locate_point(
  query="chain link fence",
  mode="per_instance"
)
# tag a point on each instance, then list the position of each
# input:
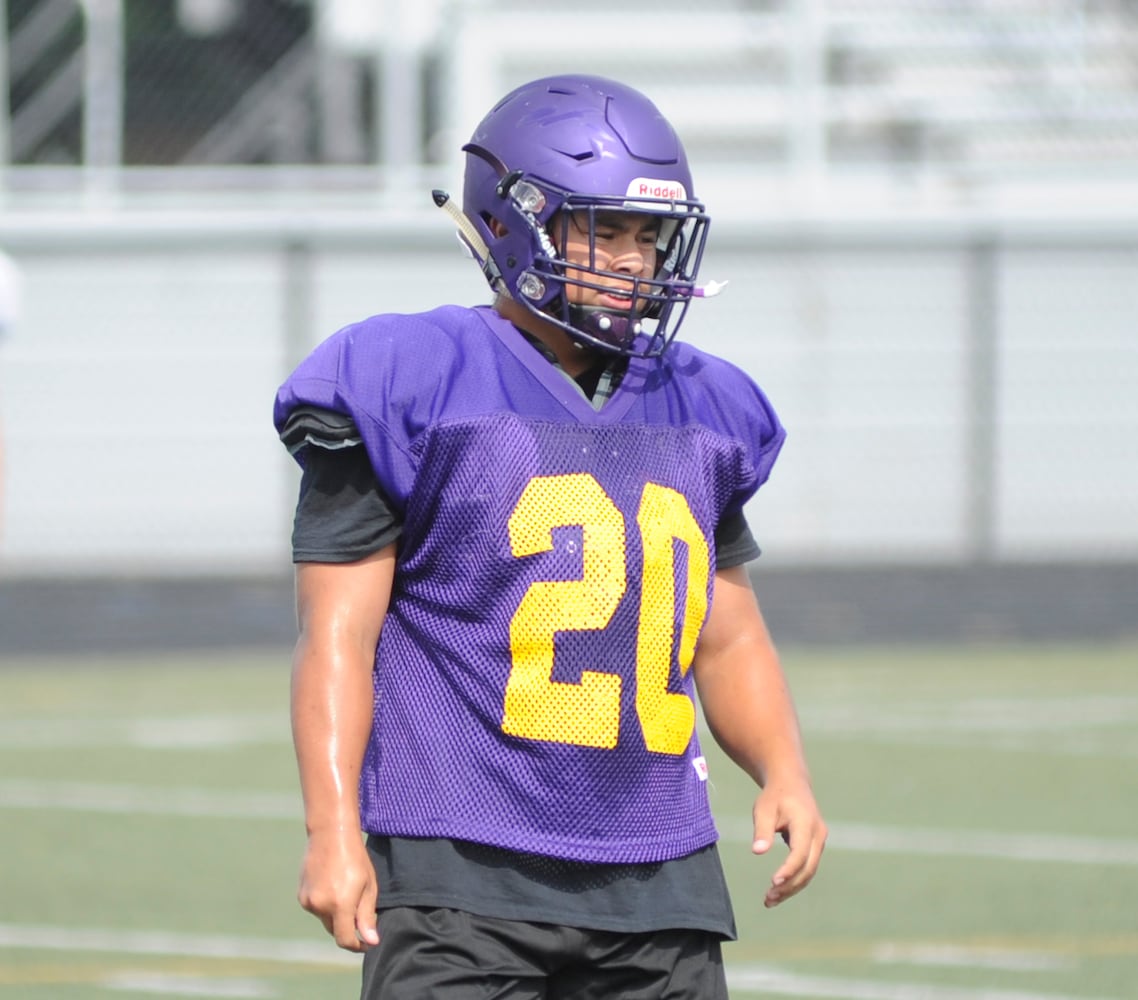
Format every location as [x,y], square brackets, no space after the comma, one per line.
[962,90]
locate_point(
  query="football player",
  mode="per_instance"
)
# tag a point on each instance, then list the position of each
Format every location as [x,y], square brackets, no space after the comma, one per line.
[520,557]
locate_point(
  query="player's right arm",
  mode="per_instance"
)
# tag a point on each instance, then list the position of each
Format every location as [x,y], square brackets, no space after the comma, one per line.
[340,609]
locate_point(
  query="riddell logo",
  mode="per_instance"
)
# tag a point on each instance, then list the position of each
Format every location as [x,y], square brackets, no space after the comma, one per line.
[647,187]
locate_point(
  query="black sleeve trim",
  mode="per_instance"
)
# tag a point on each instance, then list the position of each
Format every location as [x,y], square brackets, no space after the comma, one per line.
[323,428]
[734,543]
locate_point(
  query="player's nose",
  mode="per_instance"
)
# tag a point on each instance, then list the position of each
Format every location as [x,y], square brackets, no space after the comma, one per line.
[628,256]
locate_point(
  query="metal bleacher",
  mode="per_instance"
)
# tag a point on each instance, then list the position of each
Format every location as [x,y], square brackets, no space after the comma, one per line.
[990,91]
[968,93]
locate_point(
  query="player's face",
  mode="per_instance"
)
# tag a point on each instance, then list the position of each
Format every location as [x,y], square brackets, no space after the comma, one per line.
[623,243]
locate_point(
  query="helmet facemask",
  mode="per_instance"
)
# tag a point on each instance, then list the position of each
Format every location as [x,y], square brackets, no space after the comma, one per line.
[553,285]
[582,147]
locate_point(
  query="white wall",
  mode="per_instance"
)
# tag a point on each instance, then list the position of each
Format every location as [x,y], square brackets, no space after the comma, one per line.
[136,389]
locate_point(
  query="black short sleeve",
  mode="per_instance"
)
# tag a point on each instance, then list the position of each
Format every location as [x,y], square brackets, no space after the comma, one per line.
[734,543]
[341,514]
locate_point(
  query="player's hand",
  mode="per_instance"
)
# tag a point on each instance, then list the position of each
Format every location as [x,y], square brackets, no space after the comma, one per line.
[338,886]
[789,810]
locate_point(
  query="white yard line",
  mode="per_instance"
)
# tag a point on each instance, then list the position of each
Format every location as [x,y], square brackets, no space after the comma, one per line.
[989,844]
[766,980]
[971,957]
[159,984]
[1088,724]
[186,732]
[1050,716]
[983,844]
[1087,727]
[749,978]
[71,796]
[66,796]
[746,978]
[216,946]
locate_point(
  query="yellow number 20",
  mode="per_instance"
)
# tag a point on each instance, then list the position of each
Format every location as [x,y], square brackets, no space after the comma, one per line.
[587,713]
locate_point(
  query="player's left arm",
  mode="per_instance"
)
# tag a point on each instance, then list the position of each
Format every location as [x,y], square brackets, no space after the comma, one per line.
[748,706]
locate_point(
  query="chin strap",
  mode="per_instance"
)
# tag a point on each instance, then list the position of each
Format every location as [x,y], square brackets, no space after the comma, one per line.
[618,330]
[614,330]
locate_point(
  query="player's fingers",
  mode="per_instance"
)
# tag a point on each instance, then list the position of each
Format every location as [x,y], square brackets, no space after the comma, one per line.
[344,930]
[795,861]
[366,929]
[308,903]
[765,817]
[797,872]
[790,887]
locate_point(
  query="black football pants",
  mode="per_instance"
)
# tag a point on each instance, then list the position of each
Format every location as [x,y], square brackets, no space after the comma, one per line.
[440,954]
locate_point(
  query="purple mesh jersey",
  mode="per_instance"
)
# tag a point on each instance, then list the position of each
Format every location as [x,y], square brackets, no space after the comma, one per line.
[532,678]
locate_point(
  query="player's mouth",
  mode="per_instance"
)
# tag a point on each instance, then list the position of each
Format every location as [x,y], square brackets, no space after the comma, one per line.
[615,299]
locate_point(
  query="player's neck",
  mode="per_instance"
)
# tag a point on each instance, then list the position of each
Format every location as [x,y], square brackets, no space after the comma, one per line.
[570,355]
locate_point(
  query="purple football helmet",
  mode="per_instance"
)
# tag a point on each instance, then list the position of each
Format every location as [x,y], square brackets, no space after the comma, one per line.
[573,146]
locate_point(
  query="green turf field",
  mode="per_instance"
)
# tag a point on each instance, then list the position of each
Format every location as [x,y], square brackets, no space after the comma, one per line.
[984,806]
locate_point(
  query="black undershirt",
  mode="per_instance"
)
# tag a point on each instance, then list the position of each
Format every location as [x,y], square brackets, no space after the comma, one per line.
[342,514]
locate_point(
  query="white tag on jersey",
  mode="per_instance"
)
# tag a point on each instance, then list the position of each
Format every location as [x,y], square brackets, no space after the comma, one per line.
[700,765]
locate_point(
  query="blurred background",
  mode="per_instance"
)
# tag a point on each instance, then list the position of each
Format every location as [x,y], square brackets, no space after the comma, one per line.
[927,212]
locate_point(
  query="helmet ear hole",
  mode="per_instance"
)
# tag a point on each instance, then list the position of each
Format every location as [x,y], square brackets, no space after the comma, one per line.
[496,226]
